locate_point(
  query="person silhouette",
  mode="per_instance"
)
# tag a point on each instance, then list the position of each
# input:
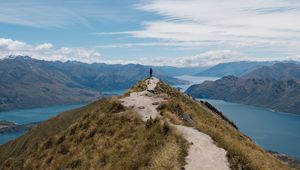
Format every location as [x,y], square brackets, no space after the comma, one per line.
[151,72]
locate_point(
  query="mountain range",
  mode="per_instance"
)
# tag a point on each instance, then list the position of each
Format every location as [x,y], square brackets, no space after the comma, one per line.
[179,71]
[26,82]
[106,134]
[276,87]
[232,68]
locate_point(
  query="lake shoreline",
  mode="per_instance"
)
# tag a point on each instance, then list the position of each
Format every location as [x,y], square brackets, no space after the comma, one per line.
[11,127]
[248,105]
[276,131]
[269,126]
[273,130]
[24,119]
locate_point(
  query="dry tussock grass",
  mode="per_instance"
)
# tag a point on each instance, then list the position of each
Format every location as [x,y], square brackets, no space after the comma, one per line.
[243,153]
[106,136]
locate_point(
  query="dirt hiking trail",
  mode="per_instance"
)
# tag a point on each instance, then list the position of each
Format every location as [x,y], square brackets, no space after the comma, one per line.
[203,154]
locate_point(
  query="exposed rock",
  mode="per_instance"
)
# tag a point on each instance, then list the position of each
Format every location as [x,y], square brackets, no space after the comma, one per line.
[203,153]
[186,117]
[293,162]
[215,157]
[155,103]
[141,107]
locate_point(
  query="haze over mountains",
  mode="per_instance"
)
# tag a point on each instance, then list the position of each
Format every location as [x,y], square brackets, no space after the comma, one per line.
[276,87]
[27,82]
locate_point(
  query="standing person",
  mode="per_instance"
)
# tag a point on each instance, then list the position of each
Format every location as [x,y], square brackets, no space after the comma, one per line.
[151,72]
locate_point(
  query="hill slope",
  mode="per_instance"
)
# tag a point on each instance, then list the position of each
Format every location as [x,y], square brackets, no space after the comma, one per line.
[276,87]
[110,134]
[26,82]
[279,71]
[233,68]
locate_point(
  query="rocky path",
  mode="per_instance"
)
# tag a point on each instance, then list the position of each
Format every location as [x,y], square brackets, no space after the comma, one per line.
[203,154]
[145,102]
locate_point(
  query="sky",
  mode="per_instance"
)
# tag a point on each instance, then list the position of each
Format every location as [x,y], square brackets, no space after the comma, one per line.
[183,33]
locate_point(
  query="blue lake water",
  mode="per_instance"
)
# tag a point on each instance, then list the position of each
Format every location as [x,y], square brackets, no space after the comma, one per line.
[193,80]
[274,131]
[24,116]
[115,92]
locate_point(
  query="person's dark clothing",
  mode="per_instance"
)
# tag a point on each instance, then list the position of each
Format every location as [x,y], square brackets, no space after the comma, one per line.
[151,72]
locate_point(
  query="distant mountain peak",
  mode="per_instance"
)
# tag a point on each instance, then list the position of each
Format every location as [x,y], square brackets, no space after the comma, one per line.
[276,87]
[230,77]
[13,57]
[233,68]
[42,83]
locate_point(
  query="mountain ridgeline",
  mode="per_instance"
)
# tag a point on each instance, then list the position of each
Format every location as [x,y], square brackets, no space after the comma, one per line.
[233,68]
[276,87]
[109,135]
[27,82]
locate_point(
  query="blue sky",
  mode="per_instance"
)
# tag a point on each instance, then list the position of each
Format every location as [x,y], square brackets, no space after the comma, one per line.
[158,32]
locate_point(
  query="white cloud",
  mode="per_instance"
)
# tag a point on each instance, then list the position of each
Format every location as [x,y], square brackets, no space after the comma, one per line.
[55,13]
[204,59]
[156,44]
[46,51]
[209,58]
[192,20]
[231,23]
[45,46]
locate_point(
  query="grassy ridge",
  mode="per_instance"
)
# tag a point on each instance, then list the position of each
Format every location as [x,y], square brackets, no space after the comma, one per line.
[243,153]
[105,136]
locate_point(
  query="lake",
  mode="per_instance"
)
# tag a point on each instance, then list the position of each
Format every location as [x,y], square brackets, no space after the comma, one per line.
[272,130]
[24,116]
[193,80]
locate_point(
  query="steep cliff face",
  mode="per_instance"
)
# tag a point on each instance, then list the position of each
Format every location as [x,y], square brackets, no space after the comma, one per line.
[152,126]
